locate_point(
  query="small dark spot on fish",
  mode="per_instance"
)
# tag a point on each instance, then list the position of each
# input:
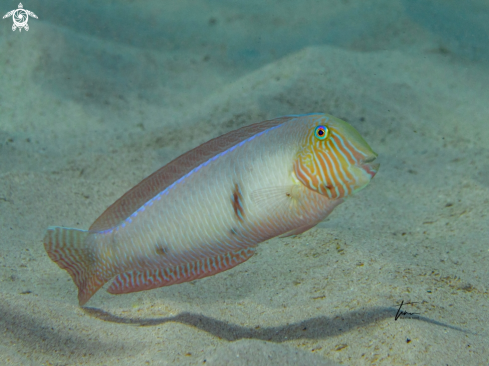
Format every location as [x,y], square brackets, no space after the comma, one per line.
[237,202]
[161,250]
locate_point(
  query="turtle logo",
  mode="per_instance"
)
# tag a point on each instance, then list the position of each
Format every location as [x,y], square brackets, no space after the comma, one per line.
[20,17]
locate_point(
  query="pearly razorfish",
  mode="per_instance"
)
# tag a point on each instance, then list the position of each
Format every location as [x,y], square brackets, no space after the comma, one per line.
[205,212]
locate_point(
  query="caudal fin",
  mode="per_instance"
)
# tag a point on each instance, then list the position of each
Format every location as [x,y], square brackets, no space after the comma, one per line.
[70,250]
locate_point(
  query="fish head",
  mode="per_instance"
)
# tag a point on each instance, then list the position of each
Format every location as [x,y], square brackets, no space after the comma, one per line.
[333,159]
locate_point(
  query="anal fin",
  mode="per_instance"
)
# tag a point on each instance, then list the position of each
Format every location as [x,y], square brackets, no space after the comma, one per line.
[146,280]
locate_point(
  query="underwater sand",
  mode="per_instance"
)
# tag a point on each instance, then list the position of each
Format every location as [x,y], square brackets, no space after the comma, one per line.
[95,98]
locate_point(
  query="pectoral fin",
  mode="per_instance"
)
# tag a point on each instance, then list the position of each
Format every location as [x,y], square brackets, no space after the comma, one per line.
[277,199]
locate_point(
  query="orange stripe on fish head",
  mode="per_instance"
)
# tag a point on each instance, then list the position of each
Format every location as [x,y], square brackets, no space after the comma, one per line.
[333,159]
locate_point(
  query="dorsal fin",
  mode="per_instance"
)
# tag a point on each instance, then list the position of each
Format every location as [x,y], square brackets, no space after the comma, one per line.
[165,176]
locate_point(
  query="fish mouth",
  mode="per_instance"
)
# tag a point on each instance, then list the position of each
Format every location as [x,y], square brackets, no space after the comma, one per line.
[369,159]
[370,167]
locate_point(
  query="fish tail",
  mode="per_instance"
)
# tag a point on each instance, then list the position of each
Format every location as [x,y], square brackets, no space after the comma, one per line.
[72,250]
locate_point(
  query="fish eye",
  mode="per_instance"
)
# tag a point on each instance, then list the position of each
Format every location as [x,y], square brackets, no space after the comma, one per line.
[321,132]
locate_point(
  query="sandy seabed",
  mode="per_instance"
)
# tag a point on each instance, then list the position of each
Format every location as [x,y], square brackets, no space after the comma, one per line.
[91,103]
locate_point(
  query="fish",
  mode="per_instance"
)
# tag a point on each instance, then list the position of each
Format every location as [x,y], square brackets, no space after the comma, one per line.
[206,211]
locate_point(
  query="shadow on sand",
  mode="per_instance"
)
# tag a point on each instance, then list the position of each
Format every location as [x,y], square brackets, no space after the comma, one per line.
[313,328]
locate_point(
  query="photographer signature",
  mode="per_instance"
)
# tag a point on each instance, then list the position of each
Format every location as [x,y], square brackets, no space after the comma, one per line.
[403,313]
